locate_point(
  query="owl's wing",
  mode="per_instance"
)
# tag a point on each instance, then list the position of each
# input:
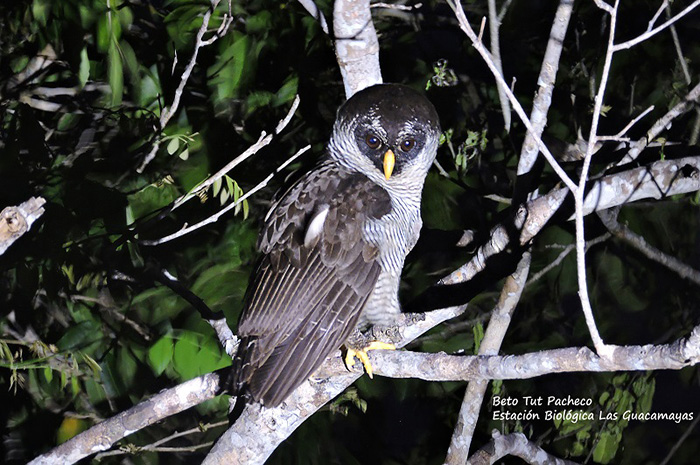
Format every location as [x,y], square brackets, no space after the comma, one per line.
[315,276]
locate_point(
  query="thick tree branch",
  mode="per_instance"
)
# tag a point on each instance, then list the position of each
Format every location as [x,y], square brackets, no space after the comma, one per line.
[15,221]
[259,431]
[515,444]
[658,180]
[442,367]
[545,82]
[103,435]
[356,45]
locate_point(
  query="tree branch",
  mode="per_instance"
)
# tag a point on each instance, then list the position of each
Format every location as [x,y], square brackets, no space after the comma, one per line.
[168,112]
[15,221]
[494,27]
[476,42]
[580,192]
[458,452]
[545,82]
[650,33]
[515,444]
[103,435]
[356,45]
[609,218]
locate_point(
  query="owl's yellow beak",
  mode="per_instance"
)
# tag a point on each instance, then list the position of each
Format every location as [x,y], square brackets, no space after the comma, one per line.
[389,161]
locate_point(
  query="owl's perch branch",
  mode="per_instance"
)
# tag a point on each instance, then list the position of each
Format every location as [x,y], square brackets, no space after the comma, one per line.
[443,367]
[259,430]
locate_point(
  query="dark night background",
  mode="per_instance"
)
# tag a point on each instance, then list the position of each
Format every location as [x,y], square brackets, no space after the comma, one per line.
[82,284]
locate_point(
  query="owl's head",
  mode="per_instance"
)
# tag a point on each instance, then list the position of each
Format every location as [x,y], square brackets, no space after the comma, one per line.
[389,132]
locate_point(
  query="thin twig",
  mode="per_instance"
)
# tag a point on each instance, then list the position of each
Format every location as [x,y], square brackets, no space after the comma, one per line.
[601,348]
[622,232]
[316,13]
[215,217]
[494,36]
[486,55]
[504,10]
[262,141]
[682,439]
[168,112]
[652,21]
[395,6]
[679,51]
[624,130]
[661,124]
[562,255]
[642,37]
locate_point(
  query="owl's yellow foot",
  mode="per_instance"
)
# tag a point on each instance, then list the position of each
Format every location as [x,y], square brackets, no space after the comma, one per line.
[361,354]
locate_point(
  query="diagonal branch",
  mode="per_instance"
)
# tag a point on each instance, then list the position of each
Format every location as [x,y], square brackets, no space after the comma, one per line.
[609,218]
[479,46]
[200,42]
[500,320]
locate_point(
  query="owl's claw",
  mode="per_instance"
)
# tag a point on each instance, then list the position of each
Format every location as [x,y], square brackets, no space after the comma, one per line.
[361,354]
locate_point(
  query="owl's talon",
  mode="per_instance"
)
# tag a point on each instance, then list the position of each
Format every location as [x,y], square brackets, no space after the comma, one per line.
[361,354]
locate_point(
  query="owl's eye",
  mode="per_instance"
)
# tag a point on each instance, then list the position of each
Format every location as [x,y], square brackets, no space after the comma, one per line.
[372,141]
[408,144]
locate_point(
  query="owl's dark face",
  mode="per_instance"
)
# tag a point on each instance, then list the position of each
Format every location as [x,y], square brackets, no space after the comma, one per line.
[392,126]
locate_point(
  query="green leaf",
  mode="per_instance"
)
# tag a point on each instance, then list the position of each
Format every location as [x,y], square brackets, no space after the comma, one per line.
[185,354]
[216,187]
[161,354]
[48,374]
[41,10]
[116,75]
[287,92]
[259,22]
[259,99]
[606,448]
[226,75]
[478,336]
[84,69]
[173,146]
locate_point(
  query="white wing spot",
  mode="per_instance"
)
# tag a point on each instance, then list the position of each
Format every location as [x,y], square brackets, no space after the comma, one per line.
[313,231]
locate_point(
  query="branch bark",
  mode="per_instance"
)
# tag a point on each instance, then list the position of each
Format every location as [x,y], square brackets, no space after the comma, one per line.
[458,452]
[356,45]
[16,221]
[515,444]
[103,435]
